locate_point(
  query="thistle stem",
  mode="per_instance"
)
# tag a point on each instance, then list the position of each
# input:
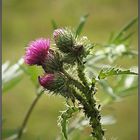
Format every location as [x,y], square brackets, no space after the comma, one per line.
[81,74]
[24,123]
[92,113]
[75,82]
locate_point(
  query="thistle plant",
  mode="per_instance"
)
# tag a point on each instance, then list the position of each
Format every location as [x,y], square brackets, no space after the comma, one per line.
[65,60]
[56,64]
[70,53]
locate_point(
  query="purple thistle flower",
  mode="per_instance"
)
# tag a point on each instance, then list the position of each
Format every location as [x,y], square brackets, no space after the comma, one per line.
[46,80]
[53,82]
[37,51]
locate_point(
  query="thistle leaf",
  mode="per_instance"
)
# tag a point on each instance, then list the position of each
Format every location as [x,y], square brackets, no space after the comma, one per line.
[127,37]
[109,90]
[11,75]
[122,32]
[81,24]
[113,71]
[8,85]
[63,119]
[32,72]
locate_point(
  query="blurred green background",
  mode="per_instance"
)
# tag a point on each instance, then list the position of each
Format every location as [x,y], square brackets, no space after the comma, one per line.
[26,20]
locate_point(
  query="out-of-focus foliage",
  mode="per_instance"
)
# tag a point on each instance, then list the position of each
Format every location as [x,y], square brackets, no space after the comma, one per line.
[11,75]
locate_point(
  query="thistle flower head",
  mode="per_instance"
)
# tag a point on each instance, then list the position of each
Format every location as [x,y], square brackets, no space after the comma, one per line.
[64,39]
[37,51]
[47,80]
[52,82]
[75,48]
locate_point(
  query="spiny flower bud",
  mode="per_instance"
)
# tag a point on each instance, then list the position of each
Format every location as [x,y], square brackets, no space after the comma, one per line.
[52,82]
[37,51]
[64,39]
[46,80]
[52,62]
[57,83]
[73,47]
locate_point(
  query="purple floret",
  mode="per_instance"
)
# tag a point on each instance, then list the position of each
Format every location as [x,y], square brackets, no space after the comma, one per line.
[46,80]
[37,51]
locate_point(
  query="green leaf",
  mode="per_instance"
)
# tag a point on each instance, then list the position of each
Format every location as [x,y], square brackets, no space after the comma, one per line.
[63,119]
[33,72]
[113,71]
[11,75]
[81,24]
[11,83]
[109,90]
[126,37]
[126,85]
[54,25]
[120,34]
[127,91]
[129,25]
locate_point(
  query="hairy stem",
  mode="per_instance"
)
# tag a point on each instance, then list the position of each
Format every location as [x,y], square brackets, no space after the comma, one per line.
[24,123]
[89,103]
[81,74]
[92,113]
[77,84]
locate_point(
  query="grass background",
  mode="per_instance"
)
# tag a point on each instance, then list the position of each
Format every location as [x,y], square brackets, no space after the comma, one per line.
[26,20]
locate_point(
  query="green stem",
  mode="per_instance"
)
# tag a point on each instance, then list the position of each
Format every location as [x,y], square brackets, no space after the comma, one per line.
[81,74]
[92,113]
[76,83]
[78,97]
[89,105]
[24,123]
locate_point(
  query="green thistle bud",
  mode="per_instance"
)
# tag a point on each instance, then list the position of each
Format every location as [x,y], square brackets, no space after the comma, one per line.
[64,39]
[52,62]
[75,48]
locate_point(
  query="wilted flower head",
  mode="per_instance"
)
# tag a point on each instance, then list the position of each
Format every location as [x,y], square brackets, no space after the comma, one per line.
[37,51]
[52,82]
